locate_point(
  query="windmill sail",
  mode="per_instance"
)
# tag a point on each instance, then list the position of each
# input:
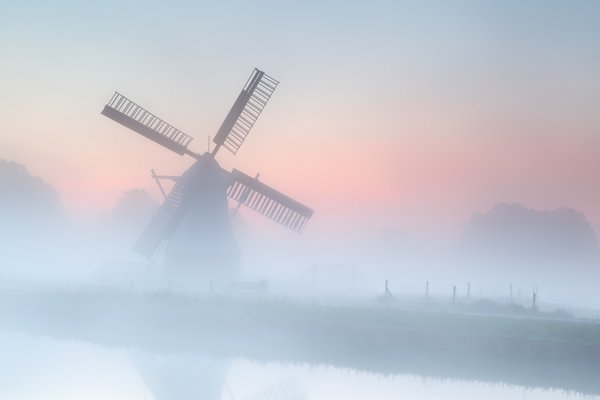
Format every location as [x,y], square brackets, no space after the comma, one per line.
[163,222]
[245,111]
[268,201]
[131,115]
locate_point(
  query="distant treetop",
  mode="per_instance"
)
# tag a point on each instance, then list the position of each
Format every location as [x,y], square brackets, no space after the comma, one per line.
[26,199]
[510,231]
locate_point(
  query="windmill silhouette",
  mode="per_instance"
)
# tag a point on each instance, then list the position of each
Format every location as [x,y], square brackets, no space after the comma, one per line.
[192,226]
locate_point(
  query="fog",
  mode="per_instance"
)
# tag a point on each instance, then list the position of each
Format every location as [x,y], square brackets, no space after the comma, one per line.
[505,306]
[505,253]
[299,200]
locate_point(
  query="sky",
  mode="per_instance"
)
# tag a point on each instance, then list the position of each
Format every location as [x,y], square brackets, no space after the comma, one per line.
[389,113]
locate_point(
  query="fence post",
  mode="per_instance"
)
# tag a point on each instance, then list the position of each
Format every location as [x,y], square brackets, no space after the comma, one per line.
[388,294]
[453,293]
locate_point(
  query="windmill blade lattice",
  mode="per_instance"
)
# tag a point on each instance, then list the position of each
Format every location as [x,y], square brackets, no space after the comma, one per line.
[162,223]
[165,229]
[268,201]
[131,115]
[245,111]
[282,391]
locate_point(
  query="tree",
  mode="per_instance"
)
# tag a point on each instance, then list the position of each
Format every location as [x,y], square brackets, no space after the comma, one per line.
[26,201]
[131,214]
[513,235]
[135,207]
[32,223]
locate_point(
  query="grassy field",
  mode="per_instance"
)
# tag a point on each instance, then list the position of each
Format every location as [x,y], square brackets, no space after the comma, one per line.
[215,310]
[532,350]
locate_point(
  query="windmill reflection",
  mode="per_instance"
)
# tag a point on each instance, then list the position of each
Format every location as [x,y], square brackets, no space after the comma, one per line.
[182,376]
[189,376]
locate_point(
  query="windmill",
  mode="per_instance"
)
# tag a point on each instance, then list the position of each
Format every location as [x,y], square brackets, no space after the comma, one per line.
[192,226]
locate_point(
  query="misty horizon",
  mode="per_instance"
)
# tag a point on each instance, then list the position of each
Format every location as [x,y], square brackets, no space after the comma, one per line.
[299,201]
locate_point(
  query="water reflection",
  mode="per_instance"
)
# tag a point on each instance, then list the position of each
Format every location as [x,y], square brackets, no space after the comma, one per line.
[33,367]
[182,376]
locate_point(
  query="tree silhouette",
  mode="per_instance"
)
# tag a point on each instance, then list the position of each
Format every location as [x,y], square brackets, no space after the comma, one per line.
[26,201]
[512,234]
[135,207]
[126,221]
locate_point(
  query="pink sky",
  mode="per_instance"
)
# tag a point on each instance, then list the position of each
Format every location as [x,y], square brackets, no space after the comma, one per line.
[401,114]
[421,177]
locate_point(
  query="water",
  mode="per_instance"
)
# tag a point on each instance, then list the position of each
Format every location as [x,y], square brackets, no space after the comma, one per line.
[38,367]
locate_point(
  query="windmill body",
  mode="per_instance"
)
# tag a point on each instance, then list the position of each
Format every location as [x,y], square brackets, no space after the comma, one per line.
[192,227]
[204,237]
